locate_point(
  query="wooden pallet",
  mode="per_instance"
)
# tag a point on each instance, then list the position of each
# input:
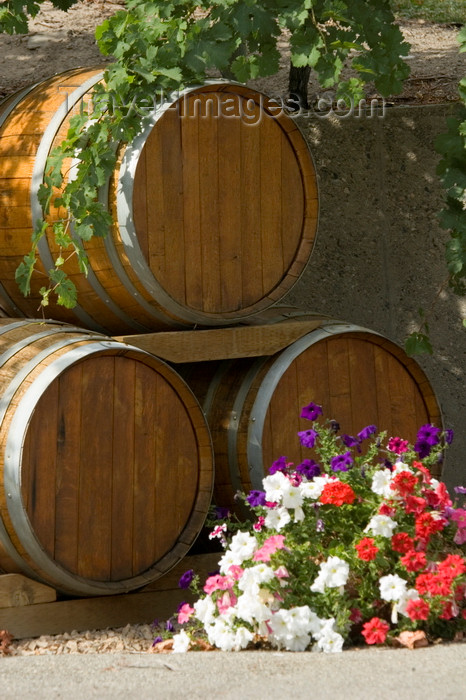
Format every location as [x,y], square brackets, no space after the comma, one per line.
[30,609]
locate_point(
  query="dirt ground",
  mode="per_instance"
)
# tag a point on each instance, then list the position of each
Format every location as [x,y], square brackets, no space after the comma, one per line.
[58,41]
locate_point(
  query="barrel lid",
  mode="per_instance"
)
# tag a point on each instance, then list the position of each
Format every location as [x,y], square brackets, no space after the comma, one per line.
[107,464]
[224,201]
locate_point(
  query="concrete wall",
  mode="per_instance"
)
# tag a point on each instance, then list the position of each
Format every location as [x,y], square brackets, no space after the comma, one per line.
[379,253]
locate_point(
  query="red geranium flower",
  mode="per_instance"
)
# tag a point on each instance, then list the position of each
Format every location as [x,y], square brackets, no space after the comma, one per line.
[375,631]
[415,504]
[366,549]
[337,493]
[427,525]
[414,561]
[417,609]
[426,476]
[402,542]
[448,612]
[404,483]
[453,565]
[435,584]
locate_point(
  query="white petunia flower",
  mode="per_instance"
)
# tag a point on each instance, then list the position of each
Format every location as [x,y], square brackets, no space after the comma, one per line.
[292,496]
[381,483]
[297,642]
[274,486]
[400,466]
[221,635]
[277,518]
[204,609]
[255,575]
[381,525]
[392,587]
[243,545]
[330,642]
[242,638]
[313,489]
[333,574]
[180,642]
[298,515]
[229,559]
[250,608]
[319,583]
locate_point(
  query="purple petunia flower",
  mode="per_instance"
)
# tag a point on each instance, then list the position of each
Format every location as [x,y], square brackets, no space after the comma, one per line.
[429,434]
[169,626]
[449,435]
[186,578]
[308,468]
[349,440]
[423,448]
[156,640]
[256,498]
[367,432]
[312,411]
[460,489]
[308,438]
[222,513]
[334,425]
[341,463]
[278,466]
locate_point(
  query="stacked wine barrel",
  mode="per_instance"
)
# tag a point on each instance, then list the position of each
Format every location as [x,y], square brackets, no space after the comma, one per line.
[107,453]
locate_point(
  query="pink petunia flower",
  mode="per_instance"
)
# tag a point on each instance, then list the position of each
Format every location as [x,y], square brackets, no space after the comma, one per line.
[185,613]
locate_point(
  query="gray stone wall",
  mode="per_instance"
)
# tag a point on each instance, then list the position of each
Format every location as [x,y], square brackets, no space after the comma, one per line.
[379,253]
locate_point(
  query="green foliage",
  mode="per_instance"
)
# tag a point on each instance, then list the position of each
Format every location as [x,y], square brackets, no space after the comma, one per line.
[441,11]
[14,13]
[452,172]
[160,47]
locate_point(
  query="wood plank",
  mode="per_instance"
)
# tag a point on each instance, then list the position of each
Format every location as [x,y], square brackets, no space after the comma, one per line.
[382,361]
[145,527]
[17,590]
[95,469]
[68,468]
[209,173]
[339,405]
[251,211]
[41,469]
[271,262]
[160,600]
[177,469]
[402,392]
[171,152]
[292,219]
[284,410]
[123,463]
[362,373]
[191,204]
[222,343]
[229,202]
[154,188]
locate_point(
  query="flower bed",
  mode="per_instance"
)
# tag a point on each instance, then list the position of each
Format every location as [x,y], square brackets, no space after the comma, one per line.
[357,544]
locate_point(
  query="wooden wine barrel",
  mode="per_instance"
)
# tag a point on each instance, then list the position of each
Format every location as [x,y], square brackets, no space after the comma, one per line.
[253,405]
[215,207]
[106,467]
